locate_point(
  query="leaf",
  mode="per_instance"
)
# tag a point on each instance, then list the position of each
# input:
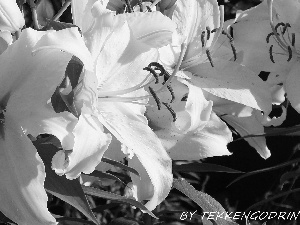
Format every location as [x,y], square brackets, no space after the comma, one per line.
[203,167]
[265,170]
[4,219]
[282,194]
[120,165]
[69,191]
[205,201]
[124,221]
[289,175]
[72,221]
[102,175]
[249,125]
[111,196]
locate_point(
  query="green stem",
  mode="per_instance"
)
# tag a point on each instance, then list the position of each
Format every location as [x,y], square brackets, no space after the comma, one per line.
[34,14]
[61,11]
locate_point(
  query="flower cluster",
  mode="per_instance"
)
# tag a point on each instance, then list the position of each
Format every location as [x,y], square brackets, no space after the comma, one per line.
[161,81]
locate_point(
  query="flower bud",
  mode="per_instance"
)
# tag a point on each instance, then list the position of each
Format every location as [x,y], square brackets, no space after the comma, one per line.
[11,19]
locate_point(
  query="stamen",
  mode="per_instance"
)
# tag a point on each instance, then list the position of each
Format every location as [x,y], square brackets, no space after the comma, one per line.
[214,30]
[158,67]
[208,33]
[182,53]
[171,111]
[233,50]
[290,53]
[293,39]
[209,57]
[166,77]
[129,8]
[277,38]
[219,31]
[202,39]
[172,93]
[152,71]
[280,24]
[184,98]
[231,44]
[271,54]
[158,103]
[285,28]
[269,36]
[149,8]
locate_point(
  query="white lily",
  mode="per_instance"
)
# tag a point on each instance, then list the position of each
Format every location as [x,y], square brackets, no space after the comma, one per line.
[205,66]
[31,68]
[113,96]
[267,50]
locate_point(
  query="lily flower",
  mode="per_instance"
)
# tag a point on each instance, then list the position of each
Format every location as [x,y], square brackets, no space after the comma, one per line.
[113,95]
[31,69]
[11,19]
[206,64]
[273,45]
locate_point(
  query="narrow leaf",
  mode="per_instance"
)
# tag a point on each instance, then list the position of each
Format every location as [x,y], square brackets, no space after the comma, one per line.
[265,170]
[103,175]
[205,201]
[203,167]
[120,165]
[111,196]
[69,191]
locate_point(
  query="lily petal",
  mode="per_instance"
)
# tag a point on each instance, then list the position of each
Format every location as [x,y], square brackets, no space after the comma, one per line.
[45,120]
[131,131]
[158,31]
[90,144]
[250,125]
[199,143]
[22,174]
[11,18]
[292,86]
[197,106]
[234,82]
[250,32]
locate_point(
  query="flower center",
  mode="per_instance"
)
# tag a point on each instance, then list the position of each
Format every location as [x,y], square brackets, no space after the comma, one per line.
[156,71]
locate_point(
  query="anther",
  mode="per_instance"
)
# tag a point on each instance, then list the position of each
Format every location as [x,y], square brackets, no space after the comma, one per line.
[280,24]
[209,57]
[171,111]
[271,54]
[152,71]
[293,39]
[172,93]
[207,33]
[149,8]
[158,67]
[154,95]
[290,53]
[214,30]
[166,76]
[269,36]
[285,27]
[202,38]
[233,50]
[129,8]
